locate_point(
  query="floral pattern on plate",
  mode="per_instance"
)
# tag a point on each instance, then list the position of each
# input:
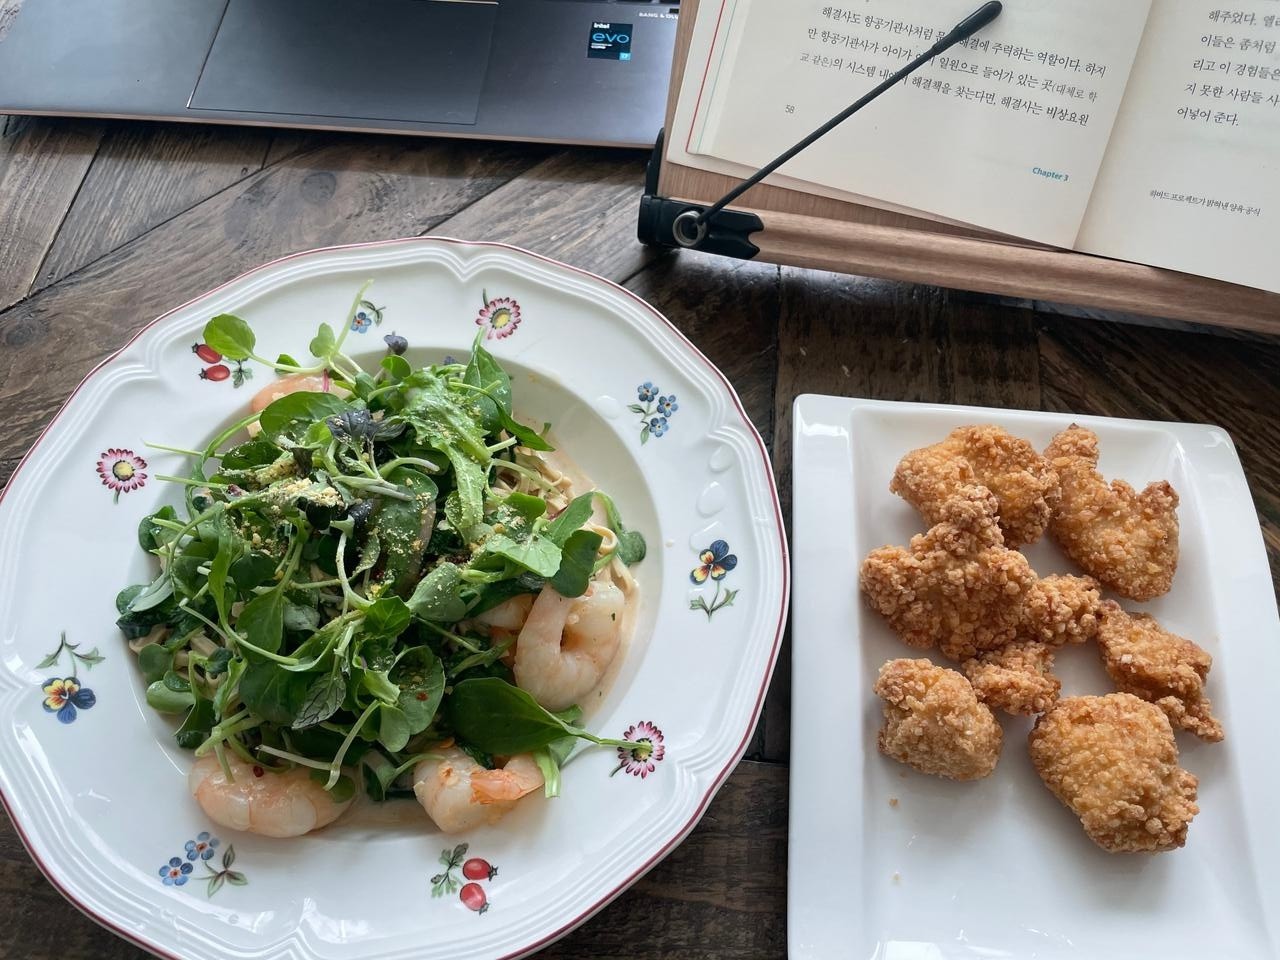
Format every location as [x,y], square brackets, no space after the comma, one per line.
[201,850]
[217,368]
[474,870]
[655,410]
[121,471]
[641,761]
[65,696]
[714,564]
[367,317]
[501,315]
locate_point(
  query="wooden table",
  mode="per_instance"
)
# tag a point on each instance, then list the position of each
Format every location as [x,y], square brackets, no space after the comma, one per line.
[104,225]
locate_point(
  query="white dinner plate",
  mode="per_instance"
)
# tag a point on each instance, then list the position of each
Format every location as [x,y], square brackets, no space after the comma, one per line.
[889,864]
[91,776]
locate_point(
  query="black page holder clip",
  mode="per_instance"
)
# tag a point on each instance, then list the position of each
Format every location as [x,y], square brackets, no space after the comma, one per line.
[716,229]
[674,223]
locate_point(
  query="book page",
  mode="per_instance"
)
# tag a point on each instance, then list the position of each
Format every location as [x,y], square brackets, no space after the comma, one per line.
[1191,180]
[1005,132]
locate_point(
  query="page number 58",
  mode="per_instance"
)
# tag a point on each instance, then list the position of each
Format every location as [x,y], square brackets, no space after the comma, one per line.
[791,108]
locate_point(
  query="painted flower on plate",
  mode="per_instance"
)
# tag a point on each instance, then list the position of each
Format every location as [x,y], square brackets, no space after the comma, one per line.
[713,563]
[122,470]
[646,392]
[667,405]
[640,761]
[501,315]
[202,846]
[175,872]
[64,696]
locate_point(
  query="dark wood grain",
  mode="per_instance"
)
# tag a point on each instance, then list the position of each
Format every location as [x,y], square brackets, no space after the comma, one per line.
[42,164]
[146,174]
[105,225]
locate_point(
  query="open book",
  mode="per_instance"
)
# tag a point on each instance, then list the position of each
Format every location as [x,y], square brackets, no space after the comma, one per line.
[1144,130]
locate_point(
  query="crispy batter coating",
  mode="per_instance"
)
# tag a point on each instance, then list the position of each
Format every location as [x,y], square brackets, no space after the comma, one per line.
[1016,679]
[934,722]
[1113,760]
[1063,609]
[1127,540]
[1024,483]
[957,587]
[1161,667]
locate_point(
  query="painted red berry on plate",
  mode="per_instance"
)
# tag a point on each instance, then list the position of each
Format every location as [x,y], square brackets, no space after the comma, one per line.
[479,869]
[206,352]
[218,371]
[473,898]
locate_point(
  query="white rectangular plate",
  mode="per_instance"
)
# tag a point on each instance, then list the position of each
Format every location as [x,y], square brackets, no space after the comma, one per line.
[888,864]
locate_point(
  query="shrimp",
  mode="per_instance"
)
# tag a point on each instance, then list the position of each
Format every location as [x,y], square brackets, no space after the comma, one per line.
[459,794]
[509,615]
[260,801]
[566,645]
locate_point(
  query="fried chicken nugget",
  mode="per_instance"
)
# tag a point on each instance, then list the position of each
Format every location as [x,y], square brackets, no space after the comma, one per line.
[934,722]
[1160,667]
[957,586]
[1025,485]
[1114,762]
[1016,679]
[1127,540]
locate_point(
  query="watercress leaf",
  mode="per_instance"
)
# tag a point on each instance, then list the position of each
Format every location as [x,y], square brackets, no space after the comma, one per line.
[165,700]
[420,676]
[321,701]
[262,621]
[577,563]
[397,367]
[230,336]
[285,360]
[258,452]
[393,728]
[436,596]
[272,694]
[570,519]
[154,661]
[387,618]
[496,717]
[363,385]
[151,536]
[322,345]
[252,570]
[304,407]
[196,725]
[379,684]
[176,682]
[539,555]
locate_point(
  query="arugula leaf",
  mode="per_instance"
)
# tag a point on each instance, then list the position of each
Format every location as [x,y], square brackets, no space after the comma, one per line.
[272,694]
[531,508]
[258,452]
[577,564]
[570,519]
[496,717]
[486,373]
[230,336]
[220,566]
[262,621]
[307,407]
[538,555]
[436,596]
[527,436]
[469,483]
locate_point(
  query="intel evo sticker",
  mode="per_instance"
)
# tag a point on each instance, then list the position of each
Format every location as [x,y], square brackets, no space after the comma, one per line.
[609,41]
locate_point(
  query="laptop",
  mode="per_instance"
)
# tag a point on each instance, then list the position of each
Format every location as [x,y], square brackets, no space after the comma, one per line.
[556,71]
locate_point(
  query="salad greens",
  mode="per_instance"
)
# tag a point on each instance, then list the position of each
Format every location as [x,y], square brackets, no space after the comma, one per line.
[315,594]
